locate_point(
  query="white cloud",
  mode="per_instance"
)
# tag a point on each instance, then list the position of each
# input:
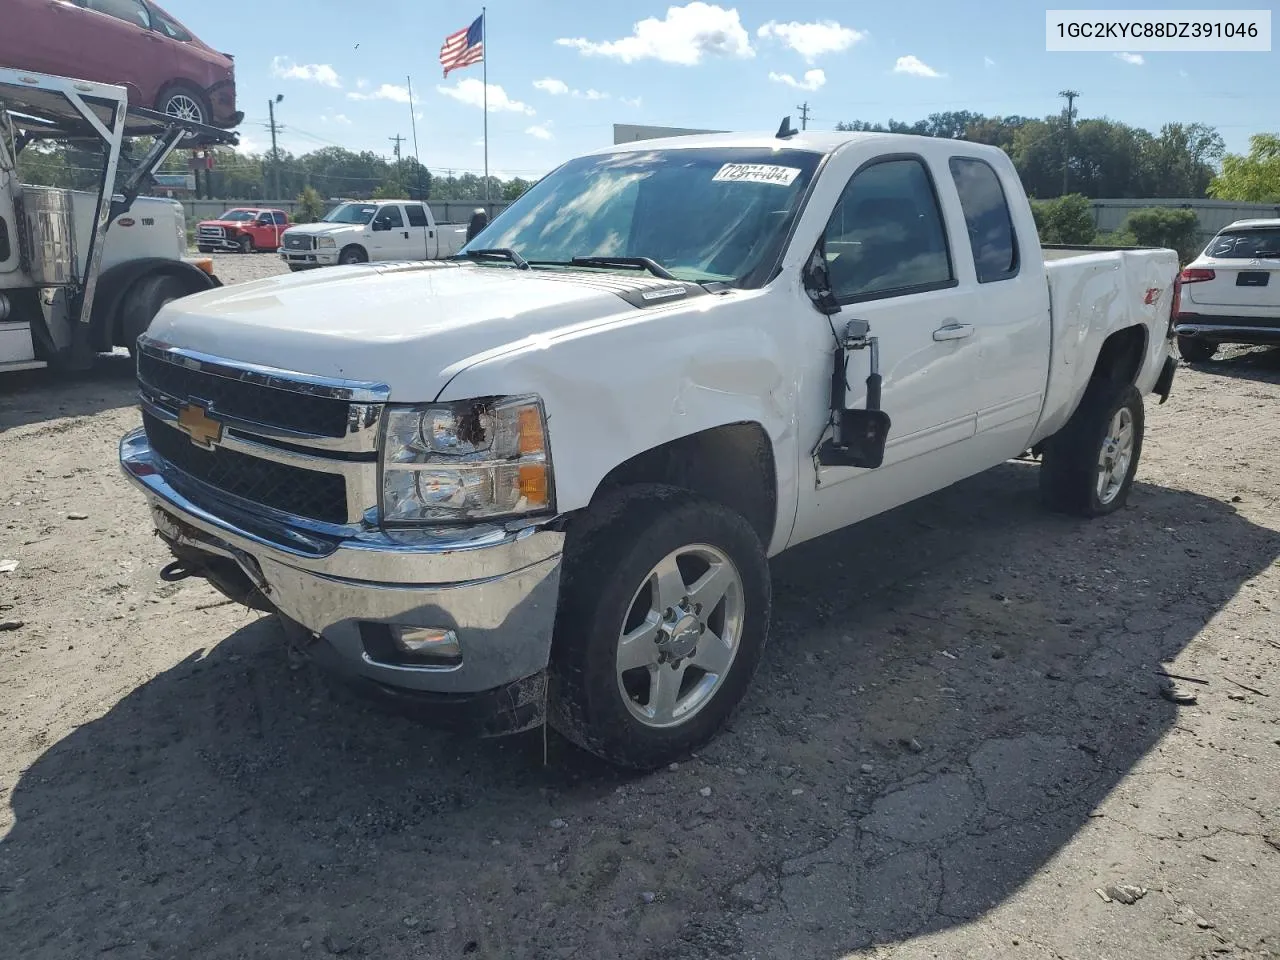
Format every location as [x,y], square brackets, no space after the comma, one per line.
[686,35]
[988,62]
[388,91]
[631,101]
[1133,59]
[361,83]
[335,118]
[471,92]
[557,88]
[540,131]
[813,79]
[812,40]
[320,73]
[915,66]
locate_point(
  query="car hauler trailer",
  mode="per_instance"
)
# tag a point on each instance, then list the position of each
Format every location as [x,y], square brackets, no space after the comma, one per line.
[68,292]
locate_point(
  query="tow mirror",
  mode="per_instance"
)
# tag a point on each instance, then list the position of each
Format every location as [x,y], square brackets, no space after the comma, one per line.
[859,436]
[381,224]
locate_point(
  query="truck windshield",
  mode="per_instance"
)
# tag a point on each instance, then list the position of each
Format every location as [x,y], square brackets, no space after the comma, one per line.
[351,213]
[703,214]
[239,215]
[1245,245]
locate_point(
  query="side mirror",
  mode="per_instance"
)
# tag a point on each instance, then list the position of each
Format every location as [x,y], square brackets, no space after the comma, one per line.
[817,281]
[380,224]
[860,435]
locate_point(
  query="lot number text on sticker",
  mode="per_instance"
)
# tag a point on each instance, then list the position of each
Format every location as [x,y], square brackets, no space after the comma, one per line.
[757,173]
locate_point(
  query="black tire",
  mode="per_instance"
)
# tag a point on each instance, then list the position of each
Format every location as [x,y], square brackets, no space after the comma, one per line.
[607,559]
[205,249]
[245,244]
[1069,473]
[1196,349]
[353,254]
[143,302]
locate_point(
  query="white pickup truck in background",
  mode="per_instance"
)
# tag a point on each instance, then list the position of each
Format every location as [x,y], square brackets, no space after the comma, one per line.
[371,230]
[542,482]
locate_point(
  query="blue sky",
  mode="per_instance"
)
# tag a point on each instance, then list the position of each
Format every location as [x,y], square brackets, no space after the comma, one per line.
[561,72]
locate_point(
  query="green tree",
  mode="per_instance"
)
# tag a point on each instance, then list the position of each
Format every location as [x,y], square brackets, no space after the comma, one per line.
[514,188]
[1066,219]
[310,206]
[1164,227]
[1254,178]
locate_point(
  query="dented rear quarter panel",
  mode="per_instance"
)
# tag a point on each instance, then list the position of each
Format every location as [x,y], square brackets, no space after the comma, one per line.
[1091,297]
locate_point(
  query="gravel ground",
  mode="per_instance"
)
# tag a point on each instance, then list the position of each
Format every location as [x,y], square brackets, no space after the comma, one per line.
[955,746]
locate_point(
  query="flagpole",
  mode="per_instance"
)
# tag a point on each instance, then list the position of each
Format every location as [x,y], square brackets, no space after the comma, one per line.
[484,63]
[413,120]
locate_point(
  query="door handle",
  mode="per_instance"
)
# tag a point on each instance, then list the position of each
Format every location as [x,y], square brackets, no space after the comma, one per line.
[953,331]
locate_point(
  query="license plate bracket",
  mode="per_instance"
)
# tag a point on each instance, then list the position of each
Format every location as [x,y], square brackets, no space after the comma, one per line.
[1252,278]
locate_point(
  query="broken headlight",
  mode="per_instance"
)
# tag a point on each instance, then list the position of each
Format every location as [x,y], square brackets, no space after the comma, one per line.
[472,460]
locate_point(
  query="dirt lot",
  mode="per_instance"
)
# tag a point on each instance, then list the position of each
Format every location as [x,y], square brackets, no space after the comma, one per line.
[955,740]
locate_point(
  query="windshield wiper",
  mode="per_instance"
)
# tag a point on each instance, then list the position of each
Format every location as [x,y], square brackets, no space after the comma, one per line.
[505,253]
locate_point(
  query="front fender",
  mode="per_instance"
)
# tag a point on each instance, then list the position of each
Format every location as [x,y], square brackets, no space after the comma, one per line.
[114,284]
[619,389]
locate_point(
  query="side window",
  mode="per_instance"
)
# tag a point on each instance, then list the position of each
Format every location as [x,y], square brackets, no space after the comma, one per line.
[986,214]
[392,216]
[417,215]
[171,29]
[131,11]
[886,236]
[279,217]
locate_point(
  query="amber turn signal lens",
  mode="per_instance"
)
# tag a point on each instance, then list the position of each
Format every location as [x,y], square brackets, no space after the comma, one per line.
[533,484]
[531,438]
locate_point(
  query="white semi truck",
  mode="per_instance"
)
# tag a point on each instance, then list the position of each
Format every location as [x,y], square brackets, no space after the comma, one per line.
[84,271]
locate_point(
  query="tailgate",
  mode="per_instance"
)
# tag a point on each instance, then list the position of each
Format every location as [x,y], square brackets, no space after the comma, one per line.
[1245,264]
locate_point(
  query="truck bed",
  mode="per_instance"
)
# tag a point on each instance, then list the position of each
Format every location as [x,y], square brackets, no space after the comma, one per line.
[1094,292]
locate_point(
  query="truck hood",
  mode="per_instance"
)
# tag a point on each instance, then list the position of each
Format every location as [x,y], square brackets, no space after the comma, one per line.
[319,229]
[224,223]
[409,326]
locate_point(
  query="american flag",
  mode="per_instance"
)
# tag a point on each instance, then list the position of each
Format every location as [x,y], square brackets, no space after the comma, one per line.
[463,48]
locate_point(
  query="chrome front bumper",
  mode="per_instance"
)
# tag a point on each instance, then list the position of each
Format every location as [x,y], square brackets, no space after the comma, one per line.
[495,588]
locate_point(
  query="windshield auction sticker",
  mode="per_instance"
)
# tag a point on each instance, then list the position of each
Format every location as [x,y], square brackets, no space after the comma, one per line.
[757,173]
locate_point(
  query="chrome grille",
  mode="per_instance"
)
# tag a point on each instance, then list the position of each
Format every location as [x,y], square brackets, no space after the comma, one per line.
[303,446]
[295,241]
[212,232]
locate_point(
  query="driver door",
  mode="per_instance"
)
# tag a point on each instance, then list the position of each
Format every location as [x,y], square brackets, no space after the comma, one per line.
[890,262]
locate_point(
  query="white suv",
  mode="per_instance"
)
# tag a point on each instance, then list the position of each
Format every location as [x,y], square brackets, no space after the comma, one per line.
[1231,292]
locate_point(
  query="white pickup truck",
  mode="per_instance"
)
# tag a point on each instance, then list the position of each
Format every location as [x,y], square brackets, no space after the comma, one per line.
[542,482]
[371,230]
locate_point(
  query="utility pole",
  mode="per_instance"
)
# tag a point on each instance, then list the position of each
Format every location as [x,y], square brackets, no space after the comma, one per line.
[275,151]
[1066,143]
[397,140]
[804,115]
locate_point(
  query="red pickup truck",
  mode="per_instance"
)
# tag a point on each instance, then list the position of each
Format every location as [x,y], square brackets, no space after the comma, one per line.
[246,229]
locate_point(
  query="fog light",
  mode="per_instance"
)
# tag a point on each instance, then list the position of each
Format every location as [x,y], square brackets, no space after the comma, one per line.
[427,642]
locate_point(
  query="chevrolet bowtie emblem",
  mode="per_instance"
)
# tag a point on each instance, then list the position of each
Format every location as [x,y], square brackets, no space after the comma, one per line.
[202,428]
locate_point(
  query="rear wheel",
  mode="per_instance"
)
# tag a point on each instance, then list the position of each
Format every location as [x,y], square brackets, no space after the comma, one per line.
[185,102]
[664,613]
[1089,465]
[353,254]
[143,302]
[1196,349]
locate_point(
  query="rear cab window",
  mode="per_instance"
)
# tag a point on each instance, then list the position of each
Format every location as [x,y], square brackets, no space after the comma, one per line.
[988,221]
[417,215]
[1245,244]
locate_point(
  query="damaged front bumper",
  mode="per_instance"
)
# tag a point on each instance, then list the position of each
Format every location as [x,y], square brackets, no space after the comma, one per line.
[494,590]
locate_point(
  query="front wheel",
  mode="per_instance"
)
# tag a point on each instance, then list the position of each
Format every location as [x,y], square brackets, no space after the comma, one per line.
[1089,465]
[664,614]
[245,243]
[1196,350]
[353,254]
[143,302]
